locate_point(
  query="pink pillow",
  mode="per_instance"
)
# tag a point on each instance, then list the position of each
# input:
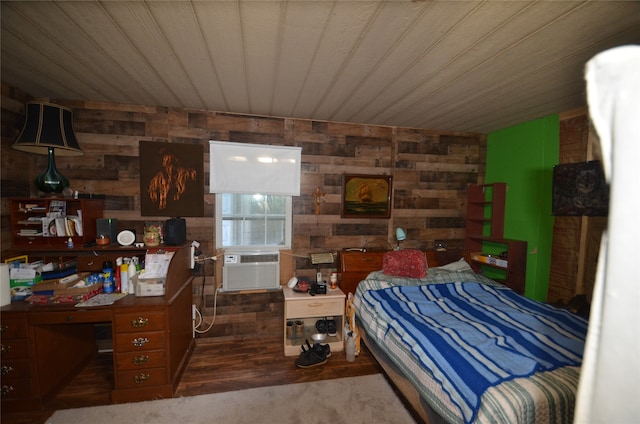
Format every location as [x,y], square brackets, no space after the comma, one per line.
[405,263]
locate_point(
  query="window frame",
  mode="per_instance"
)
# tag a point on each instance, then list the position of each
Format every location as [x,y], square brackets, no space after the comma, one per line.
[287,230]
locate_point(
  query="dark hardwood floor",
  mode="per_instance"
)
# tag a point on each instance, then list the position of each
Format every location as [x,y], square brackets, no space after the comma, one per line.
[215,366]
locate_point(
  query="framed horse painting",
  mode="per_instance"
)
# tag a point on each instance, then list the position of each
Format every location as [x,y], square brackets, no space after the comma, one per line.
[171,179]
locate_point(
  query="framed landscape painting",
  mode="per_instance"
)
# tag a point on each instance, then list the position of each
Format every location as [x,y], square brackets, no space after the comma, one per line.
[366,196]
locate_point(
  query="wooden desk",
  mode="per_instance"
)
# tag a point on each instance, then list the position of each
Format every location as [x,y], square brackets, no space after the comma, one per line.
[45,346]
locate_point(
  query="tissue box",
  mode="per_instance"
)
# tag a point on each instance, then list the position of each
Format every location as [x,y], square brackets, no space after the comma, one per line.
[145,287]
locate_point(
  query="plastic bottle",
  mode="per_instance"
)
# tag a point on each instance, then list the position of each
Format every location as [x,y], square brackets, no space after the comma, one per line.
[107,274]
[350,348]
[132,273]
[136,261]
[70,243]
[118,278]
[124,276]
[333,279]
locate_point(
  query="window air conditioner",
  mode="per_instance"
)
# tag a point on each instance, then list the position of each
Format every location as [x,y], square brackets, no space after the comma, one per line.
[245,270]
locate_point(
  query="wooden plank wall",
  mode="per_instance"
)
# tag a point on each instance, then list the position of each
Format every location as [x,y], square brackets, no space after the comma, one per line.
[430,169]
[576,240]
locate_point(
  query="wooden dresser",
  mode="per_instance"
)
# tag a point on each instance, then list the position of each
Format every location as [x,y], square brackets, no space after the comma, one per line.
[44,346]
[354,267]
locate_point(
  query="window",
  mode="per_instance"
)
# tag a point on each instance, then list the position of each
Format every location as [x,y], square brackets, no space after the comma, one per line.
[245,219]
[253,220]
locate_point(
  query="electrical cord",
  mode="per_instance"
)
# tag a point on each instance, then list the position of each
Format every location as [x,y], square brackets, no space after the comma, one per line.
[200,318]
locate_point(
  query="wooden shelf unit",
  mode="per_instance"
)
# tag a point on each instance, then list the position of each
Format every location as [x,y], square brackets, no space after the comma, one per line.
[485,234]
[26,217]
[485,213]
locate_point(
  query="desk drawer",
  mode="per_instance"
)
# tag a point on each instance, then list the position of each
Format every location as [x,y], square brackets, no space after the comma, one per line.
[356,261]
[13,329]
[138,360]
[140,379]
[14,349]
[132,342]
[137,322]
[82,316]
[15,388]
[317,307]
[14,368]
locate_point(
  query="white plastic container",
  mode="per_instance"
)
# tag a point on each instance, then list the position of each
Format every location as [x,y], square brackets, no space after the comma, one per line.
[350,348]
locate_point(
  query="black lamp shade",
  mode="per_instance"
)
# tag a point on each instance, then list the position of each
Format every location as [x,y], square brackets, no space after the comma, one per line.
[48,127]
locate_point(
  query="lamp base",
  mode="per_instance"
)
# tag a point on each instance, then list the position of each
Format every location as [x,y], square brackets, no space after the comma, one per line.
[51,180]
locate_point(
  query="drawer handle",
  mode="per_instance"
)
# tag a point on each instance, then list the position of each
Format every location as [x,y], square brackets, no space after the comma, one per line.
[5,349]
[141,378]
[140,359]
[315,305]
[6,369]
[3,328]
[139,322]
[140,341]
[6,390]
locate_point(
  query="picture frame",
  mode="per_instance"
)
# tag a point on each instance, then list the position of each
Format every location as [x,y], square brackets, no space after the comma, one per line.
[171,179]
[580,189]
[366,196]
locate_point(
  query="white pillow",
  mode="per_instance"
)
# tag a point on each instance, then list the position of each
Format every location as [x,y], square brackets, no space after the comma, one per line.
[459,265]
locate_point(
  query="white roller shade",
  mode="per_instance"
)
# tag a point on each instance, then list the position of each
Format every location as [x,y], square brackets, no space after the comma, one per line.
[254,168]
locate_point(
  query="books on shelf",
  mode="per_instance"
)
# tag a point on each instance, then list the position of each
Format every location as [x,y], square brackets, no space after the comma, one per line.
[62,226]
[489,259]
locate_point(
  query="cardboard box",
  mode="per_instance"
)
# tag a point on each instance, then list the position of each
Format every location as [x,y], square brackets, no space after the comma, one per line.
[65,290]
[59,283]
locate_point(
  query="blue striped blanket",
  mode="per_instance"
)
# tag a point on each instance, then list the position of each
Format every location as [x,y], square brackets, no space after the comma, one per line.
[473,336]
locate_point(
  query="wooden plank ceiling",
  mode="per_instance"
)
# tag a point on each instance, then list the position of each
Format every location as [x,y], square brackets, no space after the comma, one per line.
[448,65]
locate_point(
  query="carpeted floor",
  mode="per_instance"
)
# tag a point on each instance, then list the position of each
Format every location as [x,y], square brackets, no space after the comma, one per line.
[367,399]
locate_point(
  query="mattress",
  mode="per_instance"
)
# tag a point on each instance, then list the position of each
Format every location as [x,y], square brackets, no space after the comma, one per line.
[418,324]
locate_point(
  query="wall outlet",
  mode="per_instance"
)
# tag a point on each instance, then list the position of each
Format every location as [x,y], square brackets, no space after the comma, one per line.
[192,258]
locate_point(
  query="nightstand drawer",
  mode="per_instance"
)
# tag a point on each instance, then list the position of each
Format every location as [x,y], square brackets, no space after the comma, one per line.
[315,307]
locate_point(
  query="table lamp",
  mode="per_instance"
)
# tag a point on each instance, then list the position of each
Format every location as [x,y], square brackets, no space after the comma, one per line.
[48,127]
[400,236]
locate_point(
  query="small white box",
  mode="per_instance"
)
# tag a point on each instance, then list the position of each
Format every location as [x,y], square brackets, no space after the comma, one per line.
[146,287]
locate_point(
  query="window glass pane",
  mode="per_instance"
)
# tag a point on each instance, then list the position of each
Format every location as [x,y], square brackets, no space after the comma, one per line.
[254,220]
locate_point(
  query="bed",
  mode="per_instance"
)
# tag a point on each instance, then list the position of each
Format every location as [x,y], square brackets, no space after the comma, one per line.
[465,349]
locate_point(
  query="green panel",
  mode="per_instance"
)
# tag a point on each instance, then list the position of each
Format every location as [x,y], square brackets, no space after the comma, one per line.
[523,156]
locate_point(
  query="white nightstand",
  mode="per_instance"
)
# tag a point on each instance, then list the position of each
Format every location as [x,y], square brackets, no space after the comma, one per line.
[307,308]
